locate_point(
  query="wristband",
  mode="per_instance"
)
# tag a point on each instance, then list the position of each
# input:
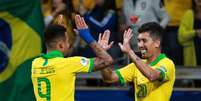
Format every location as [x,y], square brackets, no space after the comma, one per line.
[85,35]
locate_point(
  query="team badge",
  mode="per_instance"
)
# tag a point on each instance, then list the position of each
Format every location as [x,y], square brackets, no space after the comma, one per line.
[84,61]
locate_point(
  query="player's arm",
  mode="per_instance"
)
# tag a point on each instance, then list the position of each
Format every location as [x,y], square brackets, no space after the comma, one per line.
[108,74]
[151,74]
[103,59]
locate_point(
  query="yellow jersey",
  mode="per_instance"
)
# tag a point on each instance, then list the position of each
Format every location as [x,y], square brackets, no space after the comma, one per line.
[53,76]
[146,90]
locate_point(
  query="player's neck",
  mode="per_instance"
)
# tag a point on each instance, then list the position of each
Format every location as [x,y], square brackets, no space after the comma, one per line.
[153,57]
[50,50]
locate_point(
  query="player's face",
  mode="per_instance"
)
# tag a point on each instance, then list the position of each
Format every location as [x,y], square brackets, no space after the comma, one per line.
[147,45]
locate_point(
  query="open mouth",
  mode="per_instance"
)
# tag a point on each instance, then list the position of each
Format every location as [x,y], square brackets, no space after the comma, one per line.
[143,52]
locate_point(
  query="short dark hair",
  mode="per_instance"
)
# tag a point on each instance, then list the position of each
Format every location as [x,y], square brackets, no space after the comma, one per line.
[153,28]
[53,33]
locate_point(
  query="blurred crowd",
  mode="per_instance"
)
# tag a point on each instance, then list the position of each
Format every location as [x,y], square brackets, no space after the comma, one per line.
[180,18]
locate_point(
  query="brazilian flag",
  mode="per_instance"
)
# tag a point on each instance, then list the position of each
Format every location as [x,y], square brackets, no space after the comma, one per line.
[21,28]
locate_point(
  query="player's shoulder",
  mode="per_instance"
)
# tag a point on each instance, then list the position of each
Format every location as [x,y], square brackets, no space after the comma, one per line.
[131,65]
[167,62]
[41,60]
[37,60]
[75,58]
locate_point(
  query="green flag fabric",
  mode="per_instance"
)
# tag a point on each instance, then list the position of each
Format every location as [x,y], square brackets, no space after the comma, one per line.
[21,35]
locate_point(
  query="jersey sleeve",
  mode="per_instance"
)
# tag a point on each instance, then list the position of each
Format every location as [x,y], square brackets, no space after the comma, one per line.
[166,70]
[126,74]
[80,64]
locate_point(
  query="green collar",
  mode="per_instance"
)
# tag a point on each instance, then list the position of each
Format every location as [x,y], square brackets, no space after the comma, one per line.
[52,54]
[160,57]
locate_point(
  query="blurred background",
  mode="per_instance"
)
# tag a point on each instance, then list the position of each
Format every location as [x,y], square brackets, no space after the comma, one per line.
[22,24]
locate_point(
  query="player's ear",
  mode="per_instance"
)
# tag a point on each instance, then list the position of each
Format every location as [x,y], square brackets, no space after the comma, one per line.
[60,45]
[157,44]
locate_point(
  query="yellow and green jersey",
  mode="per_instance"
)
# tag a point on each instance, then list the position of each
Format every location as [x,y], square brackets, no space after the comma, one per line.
[146,90]
[53,76]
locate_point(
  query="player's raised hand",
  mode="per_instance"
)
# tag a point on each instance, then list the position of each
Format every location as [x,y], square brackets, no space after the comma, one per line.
[125,47]
[103,40]
[83,29]
[80,22]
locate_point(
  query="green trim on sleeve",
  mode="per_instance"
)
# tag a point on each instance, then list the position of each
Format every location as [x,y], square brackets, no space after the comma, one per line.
[91,65]
[162,74]
[121,79]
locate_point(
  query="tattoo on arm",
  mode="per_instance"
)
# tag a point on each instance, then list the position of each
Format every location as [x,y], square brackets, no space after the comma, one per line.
[145,69]
[103,59]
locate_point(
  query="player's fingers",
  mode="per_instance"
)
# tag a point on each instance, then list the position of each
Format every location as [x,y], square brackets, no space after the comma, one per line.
[121,46]
[130,32]
[99,38]
[84,23]
[77,21]
[104,35]
[125,34]
[80,21]
[107,35]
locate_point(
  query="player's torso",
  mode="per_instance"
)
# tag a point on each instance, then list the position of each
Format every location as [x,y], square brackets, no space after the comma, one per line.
[54,81]
[153,91]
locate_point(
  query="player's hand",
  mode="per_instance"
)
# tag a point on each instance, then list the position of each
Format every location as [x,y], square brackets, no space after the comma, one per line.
[103,40]
[60,20]
[125,47]
[80,22]
[83,29]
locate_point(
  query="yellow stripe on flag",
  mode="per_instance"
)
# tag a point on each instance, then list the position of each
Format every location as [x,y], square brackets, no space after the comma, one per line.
[26,44]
